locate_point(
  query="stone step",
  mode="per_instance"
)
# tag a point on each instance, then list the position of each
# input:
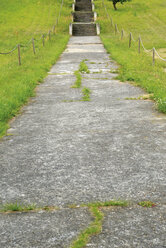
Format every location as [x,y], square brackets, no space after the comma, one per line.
[84,29]
[80,16]
[80,6]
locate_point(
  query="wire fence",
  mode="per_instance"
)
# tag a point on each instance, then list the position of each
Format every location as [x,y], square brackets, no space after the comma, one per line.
[33,40]
[131,38]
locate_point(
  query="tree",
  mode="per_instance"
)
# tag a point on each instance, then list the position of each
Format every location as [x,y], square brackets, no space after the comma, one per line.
[118,1]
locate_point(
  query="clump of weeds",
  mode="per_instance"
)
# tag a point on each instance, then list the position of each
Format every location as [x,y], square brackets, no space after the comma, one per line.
[86,94]
[83,68]
[147,204]
[78,81]
[17,207]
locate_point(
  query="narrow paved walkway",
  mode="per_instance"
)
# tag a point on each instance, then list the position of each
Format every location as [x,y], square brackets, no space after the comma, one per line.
[65,151]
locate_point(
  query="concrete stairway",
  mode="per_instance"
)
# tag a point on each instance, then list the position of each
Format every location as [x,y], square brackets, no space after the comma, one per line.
[83,19]
[80,16]
[83,6]
[84,29]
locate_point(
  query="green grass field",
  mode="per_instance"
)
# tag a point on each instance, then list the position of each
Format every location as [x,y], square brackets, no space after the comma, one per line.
[20,20]
[145,18]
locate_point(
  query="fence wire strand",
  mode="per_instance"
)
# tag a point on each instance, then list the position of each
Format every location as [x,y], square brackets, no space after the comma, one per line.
[159,55]
[124,33]
[117,29]
[27,44]
[38,39]
[147,51]
[10,51]
[132,38]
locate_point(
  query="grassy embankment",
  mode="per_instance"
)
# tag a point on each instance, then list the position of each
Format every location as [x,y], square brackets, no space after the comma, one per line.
[20,20]
[145,18]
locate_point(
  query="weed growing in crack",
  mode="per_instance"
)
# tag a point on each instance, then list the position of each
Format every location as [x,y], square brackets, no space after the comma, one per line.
[93,229]
[113,203]
[147,204]
[17,207]
[78,81]
[97,72]
[83,68]
[86,94]
[69,101]
[49,208]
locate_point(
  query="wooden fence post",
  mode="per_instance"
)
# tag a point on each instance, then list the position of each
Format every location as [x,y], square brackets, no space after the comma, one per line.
[130,40]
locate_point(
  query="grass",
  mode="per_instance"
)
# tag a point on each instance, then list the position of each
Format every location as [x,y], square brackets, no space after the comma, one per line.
[95,226]
[97,72]
[86,94]
[145,18]
[83,68]
[33,18]
[112,203]
[147,204]
[78,81]
[17,207]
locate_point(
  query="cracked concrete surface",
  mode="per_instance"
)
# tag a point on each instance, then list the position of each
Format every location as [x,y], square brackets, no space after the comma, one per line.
[74,152]
[54,229]
[132,227]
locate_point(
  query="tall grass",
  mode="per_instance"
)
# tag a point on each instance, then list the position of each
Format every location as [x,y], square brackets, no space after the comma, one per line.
[145,18]
[20,20]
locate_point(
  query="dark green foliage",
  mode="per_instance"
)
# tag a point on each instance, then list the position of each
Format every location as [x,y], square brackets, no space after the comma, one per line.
[118,1]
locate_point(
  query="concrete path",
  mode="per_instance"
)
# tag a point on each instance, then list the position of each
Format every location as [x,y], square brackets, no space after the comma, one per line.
[65,151]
